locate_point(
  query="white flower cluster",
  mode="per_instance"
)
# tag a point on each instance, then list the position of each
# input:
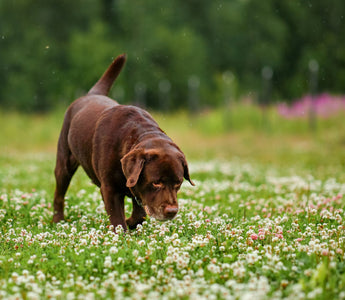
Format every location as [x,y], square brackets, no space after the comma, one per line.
[241,233]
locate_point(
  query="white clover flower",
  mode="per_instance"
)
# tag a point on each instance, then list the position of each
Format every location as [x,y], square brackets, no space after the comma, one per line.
[253,257]
[139,260]
[40,276]
[33,296]
[54,294]
[81,193]
[14,276]
[153,268]
[113,250]
[119,229]
[239,271]
[124,277]
[88,262]
[168,260]
[83,242]
[107,262]
[160,274]
[200,273]
[222,248]
[182,263]
[102,293]
[198,262]
[174,236]
[213,268]
[120,260]
[141,243]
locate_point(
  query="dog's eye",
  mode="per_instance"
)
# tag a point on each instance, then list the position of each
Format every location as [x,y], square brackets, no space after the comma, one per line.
[157,185]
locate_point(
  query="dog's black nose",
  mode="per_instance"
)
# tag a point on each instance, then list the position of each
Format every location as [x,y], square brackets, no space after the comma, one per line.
[170,211]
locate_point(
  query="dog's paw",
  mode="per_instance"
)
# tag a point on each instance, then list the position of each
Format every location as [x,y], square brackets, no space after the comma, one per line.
[132,223]
[57,218]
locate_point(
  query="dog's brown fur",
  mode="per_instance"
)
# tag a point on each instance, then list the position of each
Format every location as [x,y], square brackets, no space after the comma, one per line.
[123,151]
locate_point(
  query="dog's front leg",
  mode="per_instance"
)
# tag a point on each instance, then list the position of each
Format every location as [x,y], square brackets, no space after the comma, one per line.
[114,205]
[138,215]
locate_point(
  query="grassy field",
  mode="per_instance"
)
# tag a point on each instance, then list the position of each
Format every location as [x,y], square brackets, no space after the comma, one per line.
[265,220]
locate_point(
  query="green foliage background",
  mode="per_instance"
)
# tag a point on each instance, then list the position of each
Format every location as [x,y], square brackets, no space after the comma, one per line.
[52,51]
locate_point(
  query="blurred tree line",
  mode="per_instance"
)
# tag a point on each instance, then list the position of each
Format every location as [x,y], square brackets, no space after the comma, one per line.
[53,51]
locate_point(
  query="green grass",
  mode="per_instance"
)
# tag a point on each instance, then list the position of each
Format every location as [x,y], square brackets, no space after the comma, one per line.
[265,219]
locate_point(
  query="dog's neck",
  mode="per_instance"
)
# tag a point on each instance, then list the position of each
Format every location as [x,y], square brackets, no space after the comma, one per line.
[155,133]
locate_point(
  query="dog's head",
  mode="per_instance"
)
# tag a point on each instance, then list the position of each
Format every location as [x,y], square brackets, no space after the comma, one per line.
[155,176]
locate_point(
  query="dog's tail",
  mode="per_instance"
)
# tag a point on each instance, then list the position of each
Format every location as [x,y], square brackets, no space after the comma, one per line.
[103,85]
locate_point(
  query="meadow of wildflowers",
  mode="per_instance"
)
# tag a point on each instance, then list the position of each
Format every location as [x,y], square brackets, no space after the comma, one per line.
[323,105]
[243,232]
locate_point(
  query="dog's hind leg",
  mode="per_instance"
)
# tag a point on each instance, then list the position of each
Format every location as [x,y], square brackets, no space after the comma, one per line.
[66,165]
[64,171]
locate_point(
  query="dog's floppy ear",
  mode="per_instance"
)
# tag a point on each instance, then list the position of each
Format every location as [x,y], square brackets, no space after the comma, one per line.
[132,165]
[186,170]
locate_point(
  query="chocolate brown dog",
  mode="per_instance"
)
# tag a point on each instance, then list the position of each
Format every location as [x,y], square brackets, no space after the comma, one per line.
[123,151]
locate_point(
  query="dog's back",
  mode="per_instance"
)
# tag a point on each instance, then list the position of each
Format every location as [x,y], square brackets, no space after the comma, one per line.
[82,115]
